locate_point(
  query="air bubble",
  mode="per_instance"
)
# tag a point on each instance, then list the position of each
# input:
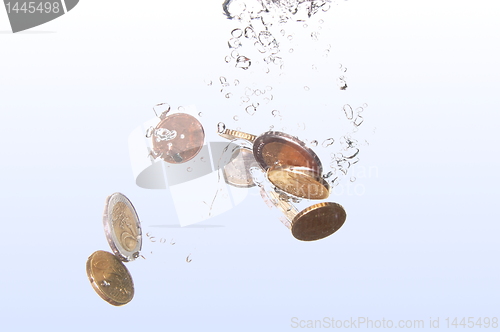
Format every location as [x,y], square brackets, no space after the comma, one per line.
[290,37]
[228,95]
[236,82]
[235,118]
[348,111]
[182,136]
[358,121]
[314,143]
[188,259]
[243,62]
[365,105]
[149,132]
[189,169]
[200,114]
[221,127]
[353,178]
[181,108]
[305,25]
[162,109]
[306,88]
[250,110]
[314,35]
[227,59]
[290,50]
[327,175]
[328,142]
[249,33]
[208,82]
[234,54]
[234,43]
[163,240]
[237,33]
[282,32]
[275,113]
[152,239]
[269,88]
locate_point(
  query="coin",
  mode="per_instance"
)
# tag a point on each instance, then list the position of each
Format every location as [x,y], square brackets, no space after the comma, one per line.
[234,134]
[318,221]
[299,181]
[237,171]
[277,148]
[178,138]
[110,278]
[122,227]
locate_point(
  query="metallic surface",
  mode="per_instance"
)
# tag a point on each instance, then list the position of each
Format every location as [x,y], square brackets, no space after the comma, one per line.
[318,221]
[122,227]
[110,278]
[186,144]
[299,181]
[277,148]
[234,134]
[237,171]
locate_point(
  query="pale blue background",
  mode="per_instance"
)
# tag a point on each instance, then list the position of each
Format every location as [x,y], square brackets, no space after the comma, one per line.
[422,242]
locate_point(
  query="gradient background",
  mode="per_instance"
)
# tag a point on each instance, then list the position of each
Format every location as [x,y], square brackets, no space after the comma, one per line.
[421,242]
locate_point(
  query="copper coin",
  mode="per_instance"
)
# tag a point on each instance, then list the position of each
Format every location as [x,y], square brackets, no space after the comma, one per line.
[277,148]
[178,138]
[299,181]
[318,221]
[110,278]
[237,171]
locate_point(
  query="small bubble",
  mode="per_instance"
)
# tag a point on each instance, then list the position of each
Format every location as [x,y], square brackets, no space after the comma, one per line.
[189,169]
[314,143]
[200,114]
[365,105]
[348,111]
[188,259]
[181,108]
[152,239]
[306,88]
[359,110]
[236,82]
[235,118]
[344,69]
[353,178]
[172,242]
[227,59]
[223,80]
[228,95]
[358,121]
[314,67]
[237,33]
[163,240]
[275,113]
[202,159]
[182,136]
[234,43]
[221,127]
[336,181]
[305,25]
[250,110]
[290,37]
[269,88]
[327,175]
[148,234]
[149,132]
[326,7]
[248,91]
[243,62]
[321,21]
[328,142]
[245,99]
[282,32]
[143,257]
[314,35]
[249,33]
[208,82]
[257,92]
[234,54]
[161,110]
[290,50]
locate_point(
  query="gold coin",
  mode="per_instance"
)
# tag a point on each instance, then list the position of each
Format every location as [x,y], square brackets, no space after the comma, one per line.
[318,221]
[234,134]
[110,278]
[122,227]
[299,181]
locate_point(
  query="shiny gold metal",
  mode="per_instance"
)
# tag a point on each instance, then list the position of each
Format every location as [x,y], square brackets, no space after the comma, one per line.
[234,134]
[299,181]
[178,138]
[110,278]
[122,227]
[313,223]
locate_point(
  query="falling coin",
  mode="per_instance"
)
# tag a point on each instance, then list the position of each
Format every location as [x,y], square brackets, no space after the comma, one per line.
[237,171]
[110,278]
[318,221]
[234,134]
[178,138]
[299,181]
[122,227]
[277,148]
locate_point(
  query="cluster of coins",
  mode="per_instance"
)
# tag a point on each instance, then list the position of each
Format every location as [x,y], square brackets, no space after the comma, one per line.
[292,168]
[107,274]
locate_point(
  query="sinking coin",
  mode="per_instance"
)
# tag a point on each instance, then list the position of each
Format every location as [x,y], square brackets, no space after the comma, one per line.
[122,227]
[110,278]
[237,171]
[318,221]
[299,181]
[277,148]
[313,223]
[178,138]
[235,134]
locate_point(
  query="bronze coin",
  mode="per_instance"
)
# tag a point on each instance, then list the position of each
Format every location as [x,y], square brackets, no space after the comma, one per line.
[110,278]
[318,221]
[299,181]
[234,134]
[178,138]
[277,148]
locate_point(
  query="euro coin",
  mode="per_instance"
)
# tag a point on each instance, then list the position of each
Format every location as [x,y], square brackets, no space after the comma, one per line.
[299,181]
[318,221]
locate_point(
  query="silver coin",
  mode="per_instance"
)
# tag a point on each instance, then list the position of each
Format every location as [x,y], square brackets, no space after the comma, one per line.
[237,171]
[122,227]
